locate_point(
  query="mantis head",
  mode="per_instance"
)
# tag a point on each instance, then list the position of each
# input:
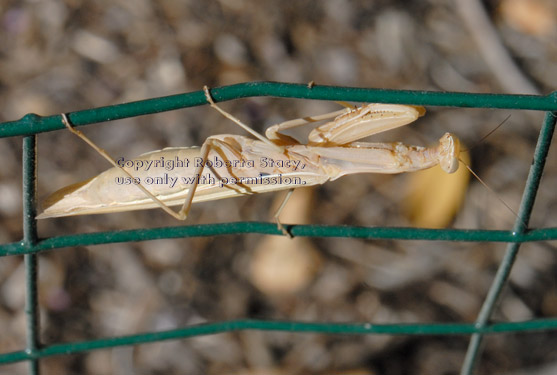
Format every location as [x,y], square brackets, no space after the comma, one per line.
[449,150]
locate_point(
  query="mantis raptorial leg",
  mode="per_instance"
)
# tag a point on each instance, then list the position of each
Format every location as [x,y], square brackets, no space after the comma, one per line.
[273,133]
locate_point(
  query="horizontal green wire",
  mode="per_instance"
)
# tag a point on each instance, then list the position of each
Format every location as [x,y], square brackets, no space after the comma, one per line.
[282,326]
[33,124]
[243,227]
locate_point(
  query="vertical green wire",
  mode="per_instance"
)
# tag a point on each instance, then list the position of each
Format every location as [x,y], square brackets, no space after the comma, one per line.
[30,239]
[520,226]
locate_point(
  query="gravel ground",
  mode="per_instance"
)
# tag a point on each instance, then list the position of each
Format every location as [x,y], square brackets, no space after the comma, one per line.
[61,56]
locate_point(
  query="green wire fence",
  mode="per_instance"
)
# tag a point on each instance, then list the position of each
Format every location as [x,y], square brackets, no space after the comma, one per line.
[31,244]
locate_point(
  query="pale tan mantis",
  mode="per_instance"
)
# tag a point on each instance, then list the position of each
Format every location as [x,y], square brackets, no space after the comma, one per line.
[233,165]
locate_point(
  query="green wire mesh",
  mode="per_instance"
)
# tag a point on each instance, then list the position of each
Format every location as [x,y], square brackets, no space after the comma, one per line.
[31,245]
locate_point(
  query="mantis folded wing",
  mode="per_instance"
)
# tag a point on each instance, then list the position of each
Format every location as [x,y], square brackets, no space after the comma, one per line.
[232,165]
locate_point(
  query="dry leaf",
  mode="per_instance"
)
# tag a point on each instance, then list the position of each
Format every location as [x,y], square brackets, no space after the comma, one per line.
[281,265]
[434,196]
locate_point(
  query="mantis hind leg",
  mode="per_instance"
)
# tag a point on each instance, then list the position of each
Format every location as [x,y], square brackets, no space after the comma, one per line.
[104,154]
[209,143]
[279,210]
[204,155]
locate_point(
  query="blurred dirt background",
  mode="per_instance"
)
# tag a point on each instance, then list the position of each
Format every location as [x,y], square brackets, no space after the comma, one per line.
[61,56]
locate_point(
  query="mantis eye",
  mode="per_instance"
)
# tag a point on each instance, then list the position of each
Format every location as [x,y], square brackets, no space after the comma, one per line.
[449,152]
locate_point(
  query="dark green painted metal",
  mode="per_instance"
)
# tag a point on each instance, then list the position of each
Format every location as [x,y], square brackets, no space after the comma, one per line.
[283,326]
[33,124]
[244,227]
[30,246]
[29,240]
[520,226]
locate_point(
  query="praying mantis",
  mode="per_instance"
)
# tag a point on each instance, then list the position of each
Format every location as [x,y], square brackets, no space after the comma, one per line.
[233,165]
